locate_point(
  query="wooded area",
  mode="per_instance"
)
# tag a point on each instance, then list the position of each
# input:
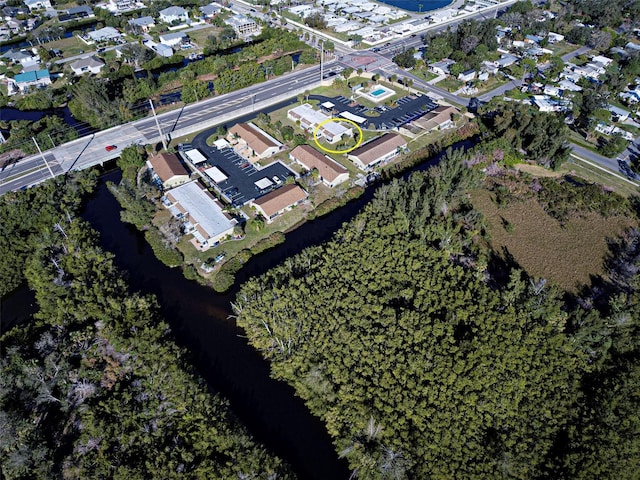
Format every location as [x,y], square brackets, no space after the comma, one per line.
[402,335]
[94,386]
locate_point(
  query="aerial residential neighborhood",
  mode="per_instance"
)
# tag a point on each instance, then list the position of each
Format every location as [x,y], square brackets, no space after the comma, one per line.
[319,239]
[383,113]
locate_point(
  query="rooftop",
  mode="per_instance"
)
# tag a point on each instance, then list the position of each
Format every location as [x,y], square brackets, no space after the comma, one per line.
[257,140]
[167,165]
[370,152]
[280,199]
[202,208]
[311,159]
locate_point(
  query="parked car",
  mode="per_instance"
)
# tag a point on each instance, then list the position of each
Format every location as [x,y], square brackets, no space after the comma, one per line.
[110,148]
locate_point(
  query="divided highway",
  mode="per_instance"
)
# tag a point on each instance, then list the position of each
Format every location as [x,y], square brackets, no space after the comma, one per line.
[90,150]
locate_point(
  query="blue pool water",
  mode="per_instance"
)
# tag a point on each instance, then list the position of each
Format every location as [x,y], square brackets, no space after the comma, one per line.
[417,5]
[377,93]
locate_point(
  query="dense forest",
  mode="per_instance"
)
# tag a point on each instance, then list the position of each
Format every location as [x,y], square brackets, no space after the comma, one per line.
[94,385]
[428,357]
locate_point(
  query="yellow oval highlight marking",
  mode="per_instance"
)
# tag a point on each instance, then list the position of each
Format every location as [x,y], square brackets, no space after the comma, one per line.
[334,119]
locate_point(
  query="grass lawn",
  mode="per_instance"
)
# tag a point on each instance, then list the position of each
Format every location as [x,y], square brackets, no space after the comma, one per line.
[578,139]
[69,46]
[516,94]
[232,247]
[562,48]
[450,84]
[566,256]
[629,128]
[492,82]
[199,37]
[422,140]
[424,75]
[576,167]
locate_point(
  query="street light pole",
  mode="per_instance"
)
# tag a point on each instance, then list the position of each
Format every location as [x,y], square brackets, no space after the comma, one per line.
[164,143]
[321,65]
[42,156]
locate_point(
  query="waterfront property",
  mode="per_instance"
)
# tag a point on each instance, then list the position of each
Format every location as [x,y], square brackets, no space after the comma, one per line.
[377,151]
[86,65]
[243,25]
[279,201]
[310,119]
[439,118]
[169,170]
[252,142]
[330,172]
[23,82]
[201,213]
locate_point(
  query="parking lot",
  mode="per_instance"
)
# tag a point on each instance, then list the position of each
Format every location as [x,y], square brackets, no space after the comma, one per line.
[239,188]
[408,108]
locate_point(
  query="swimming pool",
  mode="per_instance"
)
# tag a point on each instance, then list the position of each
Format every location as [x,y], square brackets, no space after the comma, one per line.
[378,93]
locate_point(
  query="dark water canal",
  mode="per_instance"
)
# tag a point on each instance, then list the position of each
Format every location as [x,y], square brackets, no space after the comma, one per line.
[200,319]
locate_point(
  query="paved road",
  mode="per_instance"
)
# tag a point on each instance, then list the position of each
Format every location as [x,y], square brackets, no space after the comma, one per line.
[88,151]
[568,56]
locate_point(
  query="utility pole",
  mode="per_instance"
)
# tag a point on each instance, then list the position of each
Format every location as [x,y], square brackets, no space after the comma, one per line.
[164,143]
[321,65]
[52,142]
[43,159]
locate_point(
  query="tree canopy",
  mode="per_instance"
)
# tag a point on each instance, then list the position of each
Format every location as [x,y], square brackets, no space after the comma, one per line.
[421,364]
[94,385]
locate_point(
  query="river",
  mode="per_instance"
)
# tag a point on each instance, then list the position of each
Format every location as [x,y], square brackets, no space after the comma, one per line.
[200,319]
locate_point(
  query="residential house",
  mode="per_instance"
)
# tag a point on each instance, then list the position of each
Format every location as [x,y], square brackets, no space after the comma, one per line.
[547,104]
[442,67]
[253,141]
[202,214]
[554,37]
[142,24]
[106,34]
[26,81]
[83,11]
[568,85]
[331,172]
[211,10]
[87,65]
[23,57]
[613,130]
[439,118]
[377,151]
[604,61]
[279,201]
[552,91]
[169,170]
[173,39]
[442,15]
[37,4]
[489,67]
[163,50]
[242,25]
[121,5]
[533,39]
[467,75]
[174,14]
[506,60]
[618,114]
[631,96]
[312,120]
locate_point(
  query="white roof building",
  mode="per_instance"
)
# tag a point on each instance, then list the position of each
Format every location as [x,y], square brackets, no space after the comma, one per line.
[203,214]
[310,119]
[174,14]
[105,34]
[87,65]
